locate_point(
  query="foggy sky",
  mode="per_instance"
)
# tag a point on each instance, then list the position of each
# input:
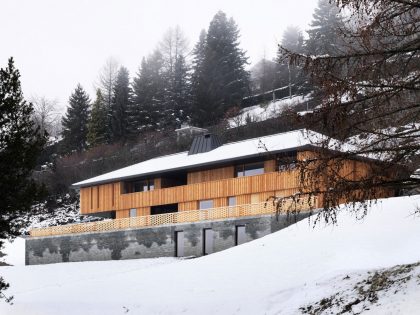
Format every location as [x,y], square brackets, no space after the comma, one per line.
[59,43]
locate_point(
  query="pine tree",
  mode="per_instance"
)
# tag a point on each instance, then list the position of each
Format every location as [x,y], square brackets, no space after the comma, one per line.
[222,81]
[120,106]
[289,74]
[292,39]
[324,35]
[197,88]
[177,96]
[265,76]
[148,95]
[97,127]
[20,146]
[75,122]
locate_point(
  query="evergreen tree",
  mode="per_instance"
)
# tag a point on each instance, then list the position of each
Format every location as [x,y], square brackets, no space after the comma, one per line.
[265,76]
[148,95]
[197,89]
[324,35]
[291,75]
[177,96]
[97,127]
[107,80]
[20,146]
[292,39]
[222,80]
[75,122]
[121,104]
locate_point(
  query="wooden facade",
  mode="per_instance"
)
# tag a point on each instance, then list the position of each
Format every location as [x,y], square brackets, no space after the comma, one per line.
[229,195]
[217,184]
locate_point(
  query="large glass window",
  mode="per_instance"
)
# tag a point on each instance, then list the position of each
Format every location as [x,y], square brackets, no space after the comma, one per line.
[231,201]
[206,204]
[249,169]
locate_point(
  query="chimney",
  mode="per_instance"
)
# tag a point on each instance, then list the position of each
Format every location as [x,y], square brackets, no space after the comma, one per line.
[205,143]
[186,132]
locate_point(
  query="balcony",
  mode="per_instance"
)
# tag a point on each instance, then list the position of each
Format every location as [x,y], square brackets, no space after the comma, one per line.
[238,211]
[268,182]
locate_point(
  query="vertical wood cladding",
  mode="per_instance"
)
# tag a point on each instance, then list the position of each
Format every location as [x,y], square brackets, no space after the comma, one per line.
[110,197]
[217,184]
[270,166]
[158,183]
[100,198]
[210,175]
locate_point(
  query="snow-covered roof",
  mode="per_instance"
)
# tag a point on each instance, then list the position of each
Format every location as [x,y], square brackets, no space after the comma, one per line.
[225,153]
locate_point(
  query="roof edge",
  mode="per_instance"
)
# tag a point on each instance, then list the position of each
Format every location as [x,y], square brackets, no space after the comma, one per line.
[107,181]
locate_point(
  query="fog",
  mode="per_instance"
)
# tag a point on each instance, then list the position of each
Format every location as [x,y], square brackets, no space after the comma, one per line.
[57,44]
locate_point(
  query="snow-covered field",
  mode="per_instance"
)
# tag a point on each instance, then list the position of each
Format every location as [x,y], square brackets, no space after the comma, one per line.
[301,266]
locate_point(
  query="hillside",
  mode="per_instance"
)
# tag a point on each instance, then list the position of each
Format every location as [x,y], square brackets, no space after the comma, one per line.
[268,110]
[321,270]
[58,210]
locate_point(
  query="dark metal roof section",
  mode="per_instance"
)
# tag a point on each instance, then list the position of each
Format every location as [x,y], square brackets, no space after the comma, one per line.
[204,143]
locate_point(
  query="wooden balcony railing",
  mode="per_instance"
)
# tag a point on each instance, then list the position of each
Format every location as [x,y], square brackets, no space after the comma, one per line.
[176,217]
[108,196]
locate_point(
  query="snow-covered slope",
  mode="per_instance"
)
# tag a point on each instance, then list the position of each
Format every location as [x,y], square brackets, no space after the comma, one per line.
[63,210]
[278,274]
[270,110]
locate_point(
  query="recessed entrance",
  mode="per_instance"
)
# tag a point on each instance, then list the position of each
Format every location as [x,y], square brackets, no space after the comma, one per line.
[208,241]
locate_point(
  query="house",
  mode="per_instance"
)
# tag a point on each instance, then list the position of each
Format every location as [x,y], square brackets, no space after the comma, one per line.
[209,175]
[211,197]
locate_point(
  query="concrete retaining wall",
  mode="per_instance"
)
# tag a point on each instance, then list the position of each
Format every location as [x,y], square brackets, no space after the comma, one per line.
[148,242]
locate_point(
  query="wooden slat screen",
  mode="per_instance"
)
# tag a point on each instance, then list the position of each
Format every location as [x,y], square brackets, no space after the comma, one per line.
[175,217]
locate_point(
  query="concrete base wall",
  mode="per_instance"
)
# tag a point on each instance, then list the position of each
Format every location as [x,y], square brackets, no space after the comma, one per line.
[148,242]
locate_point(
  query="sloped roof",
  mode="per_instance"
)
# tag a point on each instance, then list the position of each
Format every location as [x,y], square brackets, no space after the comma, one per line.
[228,152]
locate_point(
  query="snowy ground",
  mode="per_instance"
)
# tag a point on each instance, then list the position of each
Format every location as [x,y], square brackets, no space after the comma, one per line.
[270,110]
[298,269]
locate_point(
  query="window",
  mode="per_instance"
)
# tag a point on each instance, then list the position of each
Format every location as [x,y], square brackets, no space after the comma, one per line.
[206,204]
[133,212]
[138,186]
[144,185]
[249,169]
[231,201]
